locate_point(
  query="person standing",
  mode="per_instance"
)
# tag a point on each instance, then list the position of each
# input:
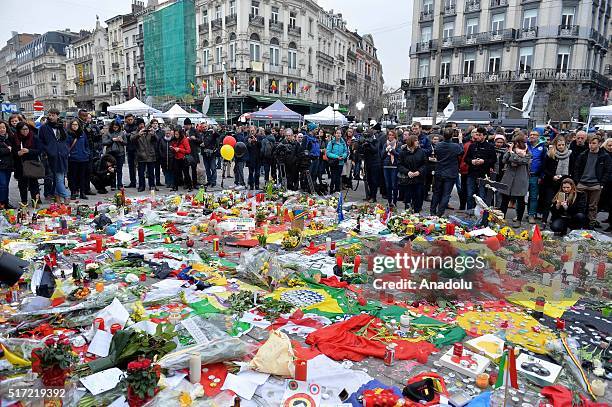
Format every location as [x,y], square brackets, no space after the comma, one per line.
[115,141]
[501,147]
[337,153]
[411,173]
[166,157]
[578,146]
[94,143]
[567,209]
[371,162]
[180,146]
[538,150]
[78,160]
[193,158]
[390,158]
[556,168]
[6,164]
[480,159]
[446,171]
[516,175]
[253,163]
[268,144]
[131,130]
[605,201]
[159,133]
[593,170]
[27,148]
[144,141]
[210,151]
[53,140]
[240,162]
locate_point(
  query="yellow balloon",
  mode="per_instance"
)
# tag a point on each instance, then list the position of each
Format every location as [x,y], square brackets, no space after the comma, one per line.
[227,152]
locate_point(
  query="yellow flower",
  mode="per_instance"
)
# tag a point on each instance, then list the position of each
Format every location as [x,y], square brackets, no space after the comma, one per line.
[185,399]
[524,235]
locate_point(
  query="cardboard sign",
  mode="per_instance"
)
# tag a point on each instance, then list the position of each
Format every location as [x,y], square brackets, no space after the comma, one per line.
[301,394]
[237,224]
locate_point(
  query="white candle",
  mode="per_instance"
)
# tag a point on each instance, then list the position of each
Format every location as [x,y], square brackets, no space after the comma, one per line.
[405,322]
[556,284]
[195,368]
[599,387]
[328,244]
[254,205]
[545,278]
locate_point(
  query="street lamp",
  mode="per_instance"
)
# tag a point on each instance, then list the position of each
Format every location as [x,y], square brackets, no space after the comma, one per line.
[385,114]
[336,107]
[360,107]
[225,93]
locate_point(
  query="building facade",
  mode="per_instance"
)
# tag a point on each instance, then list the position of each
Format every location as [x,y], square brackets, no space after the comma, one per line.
[9,84]
[395,102]
[41,70]
[492,49]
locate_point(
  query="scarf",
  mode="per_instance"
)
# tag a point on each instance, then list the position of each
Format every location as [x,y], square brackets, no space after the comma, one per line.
[562,162]
[393,146]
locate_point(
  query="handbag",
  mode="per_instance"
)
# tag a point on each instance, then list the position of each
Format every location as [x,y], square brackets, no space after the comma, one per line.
[33,169]
[190,160]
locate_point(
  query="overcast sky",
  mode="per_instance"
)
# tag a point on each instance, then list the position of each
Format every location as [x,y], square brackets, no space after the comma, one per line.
[387,20]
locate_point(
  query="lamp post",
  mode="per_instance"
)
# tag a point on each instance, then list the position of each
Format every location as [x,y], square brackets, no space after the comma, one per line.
[385,114]
[225,93]
[360,107]
[336,107]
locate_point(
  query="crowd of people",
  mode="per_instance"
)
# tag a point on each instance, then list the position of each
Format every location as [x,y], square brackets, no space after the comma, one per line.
[562,179]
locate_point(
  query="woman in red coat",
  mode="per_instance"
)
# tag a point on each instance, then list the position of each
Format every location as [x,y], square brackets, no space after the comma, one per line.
[181,148]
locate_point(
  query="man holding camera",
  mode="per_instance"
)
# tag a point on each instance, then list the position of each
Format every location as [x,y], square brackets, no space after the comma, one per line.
[210,150]
[254,159]
[131,129]
[144,141]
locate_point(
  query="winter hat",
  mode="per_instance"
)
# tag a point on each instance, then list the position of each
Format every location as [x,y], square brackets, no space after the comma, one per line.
[499,136]
[187,121]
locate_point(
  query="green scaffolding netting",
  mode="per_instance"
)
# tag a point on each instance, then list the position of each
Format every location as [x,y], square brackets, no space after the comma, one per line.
[170,49]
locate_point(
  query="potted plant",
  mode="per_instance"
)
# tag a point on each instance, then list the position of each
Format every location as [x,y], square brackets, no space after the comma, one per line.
[141,379]
[54,361]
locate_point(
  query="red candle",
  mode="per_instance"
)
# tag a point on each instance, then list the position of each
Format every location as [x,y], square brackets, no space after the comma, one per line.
[333,246]
[339,261]
[601,270]
[312,245]
[301,369]
[143,277]
[450,229]
[141,235]
[560,324]
[114,328]
[370,262]
[357,263]
[98,244]
[99,323]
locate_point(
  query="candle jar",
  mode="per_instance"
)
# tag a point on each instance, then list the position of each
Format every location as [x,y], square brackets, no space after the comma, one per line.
[482,380]
[598,387]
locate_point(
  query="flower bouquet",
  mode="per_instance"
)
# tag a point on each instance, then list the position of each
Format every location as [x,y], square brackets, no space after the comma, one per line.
[292,239]
[141,379]
[54,361]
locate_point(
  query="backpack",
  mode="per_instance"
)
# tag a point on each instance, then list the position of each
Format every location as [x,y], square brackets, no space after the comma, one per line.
[267,148]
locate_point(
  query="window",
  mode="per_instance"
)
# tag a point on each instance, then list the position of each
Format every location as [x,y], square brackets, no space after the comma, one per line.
[204,16]
[497,22]
[445,67]
[291,88]
[494,61]
[54,90]
[232,47]
[255,84]
[273,86]
[310,61]
[275,14]
[530,18]
[232,8]
[427,6]
[255,8]
[53,77]
[449,29]
[292,19]
[127,42]
[292,55]
[471,26]
[525,59]
[563,54]
[567,15]
[426,34]
[423,67]
[469,60]
[274,52]
[218,12]
[310,24]
[255,48]
[206,57]
[218,54]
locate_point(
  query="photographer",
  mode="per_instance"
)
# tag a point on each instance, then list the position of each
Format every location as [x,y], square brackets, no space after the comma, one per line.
[165,152]
[53,139]
[131,129]
[367,150]
[115,141]
[94,140]
[103,173]
[337,153]
[268,144]
[210,150]
[284,153]
[144,141]
[446,171]
[159,134]
[253,161]
[193,159]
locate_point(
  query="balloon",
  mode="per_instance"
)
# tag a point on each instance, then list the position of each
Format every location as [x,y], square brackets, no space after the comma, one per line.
[229,141]
[241,149]
[227,152]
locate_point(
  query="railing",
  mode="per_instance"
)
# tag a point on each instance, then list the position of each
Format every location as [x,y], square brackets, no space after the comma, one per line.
[231,19]
[325,86]
[472,6]
[115,44]
[549,74]
[368,78]
[529,1]
[82,59]
[216,23]
[115,65]
[498,3]
[293,30]
[340,57]
[351,54]
[426,46]
[217,67]
[139,37]
[568,30]
[325,57]
[275,68]
[276,25]
[340,82]
[69,92]
[256,20]
[426,16]
[450,10]
[350,76]
[202,69]
[527,33]
[203,28]
[140,58]
[294,72]
[83,98]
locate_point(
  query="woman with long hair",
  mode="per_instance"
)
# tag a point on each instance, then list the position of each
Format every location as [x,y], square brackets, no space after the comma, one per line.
[390,159]
[115,141]
[411,174]
[27,148]
[6,164]
[78,160]
[556,168]
[516,175]
[567,209]
[180,146]
[337,152]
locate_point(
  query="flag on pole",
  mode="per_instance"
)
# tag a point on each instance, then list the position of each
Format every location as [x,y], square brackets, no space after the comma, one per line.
[507,370]
[290,87]
[204,85]
[273,86]
[528,99]
[449,109]
[192,86]
[339,208]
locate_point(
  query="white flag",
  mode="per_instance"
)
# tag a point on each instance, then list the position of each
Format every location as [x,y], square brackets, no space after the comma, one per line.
[449,109]
[205,105]
[528,99]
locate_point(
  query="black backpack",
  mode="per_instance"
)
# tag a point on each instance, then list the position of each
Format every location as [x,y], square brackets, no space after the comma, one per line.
[267,148]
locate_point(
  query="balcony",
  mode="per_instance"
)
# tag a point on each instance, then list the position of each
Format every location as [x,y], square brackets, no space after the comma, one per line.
[368,78]
[325,86]
[217,68]
[295,72]
[293,30]
[568,30]
[139,38]
[498,3]
[326,58]
[608,69]
[350,76]
[203,28]
[472,6]
[425,46]
[256,20]
[529,1]
[275,69]
[86,77]
[350,54]
[217,23]
[141,81]
[450,10]
[340,82]
[115,44]
[276,26]
[115,65]
[231,19]
[140,59]
[83,59]
[83,98]
[70,92]
[340,57]
[426,16]
[527,33]
[202,70]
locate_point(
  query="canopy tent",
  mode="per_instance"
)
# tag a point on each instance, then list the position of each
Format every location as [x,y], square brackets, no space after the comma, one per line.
[176,111]
[276,111]
[133,106]
[327,117]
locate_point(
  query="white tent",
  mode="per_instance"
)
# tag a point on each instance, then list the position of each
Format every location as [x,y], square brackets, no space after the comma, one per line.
[176,111]
[600,111]
[133,106]
[327,117]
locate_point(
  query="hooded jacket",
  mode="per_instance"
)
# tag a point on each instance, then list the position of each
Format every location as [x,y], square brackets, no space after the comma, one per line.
[538,154]
[78,146]
[6,152]
[337,150]
[54,146]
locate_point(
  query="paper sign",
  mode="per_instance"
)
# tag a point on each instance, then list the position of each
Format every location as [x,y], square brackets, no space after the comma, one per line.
[114,313]
[244,388]
[124,237]
[195,331]
[120,402]
[102,381]
[253,376]
[237,224]
[100,344]
[301,394]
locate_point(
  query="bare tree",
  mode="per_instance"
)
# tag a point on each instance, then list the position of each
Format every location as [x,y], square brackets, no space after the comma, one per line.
[565,100]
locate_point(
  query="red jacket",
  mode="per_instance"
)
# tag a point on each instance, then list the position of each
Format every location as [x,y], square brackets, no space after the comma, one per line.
[183,148]
[463,166]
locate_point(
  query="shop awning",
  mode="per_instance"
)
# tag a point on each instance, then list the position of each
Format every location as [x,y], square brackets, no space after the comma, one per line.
[286,101]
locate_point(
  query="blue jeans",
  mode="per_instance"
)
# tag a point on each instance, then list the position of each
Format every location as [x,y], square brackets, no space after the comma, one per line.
[391,184]
[118,182]
[254,176]
[150,168]
[413,195]
[314,168]
[474,188]
[534,189]
[168,177]
[60,187]
[210,165]
[5,179]
[442,189]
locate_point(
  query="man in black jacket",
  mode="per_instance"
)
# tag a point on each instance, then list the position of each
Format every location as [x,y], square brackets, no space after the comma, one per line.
[368,151]
[593,169]
[447,155]
[480,159]
[210,151]
[103,172]
[94,140]
[131,130]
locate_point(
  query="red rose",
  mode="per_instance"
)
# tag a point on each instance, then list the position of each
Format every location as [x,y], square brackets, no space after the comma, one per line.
[361,301]
[133,365]
[145,364]
[62,336]
[50,342]
[65,341]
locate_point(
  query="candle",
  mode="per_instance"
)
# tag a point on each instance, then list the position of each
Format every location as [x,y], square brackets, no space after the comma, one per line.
[117,255]
[141,236]
[601,270]
[560,324]
[98,244]
[357,264]
[339,261]
[99,287]
[482,380]
[114,328]
[195,368]
[301,369]
[598,387]
[328,244]
[405,322]
[215,245]
[333,246]
[99,324]
[254,205]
